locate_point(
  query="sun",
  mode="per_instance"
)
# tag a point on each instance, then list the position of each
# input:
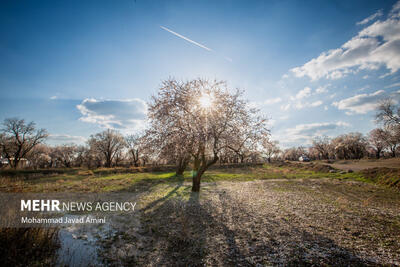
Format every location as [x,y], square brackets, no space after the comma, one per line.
[205,101]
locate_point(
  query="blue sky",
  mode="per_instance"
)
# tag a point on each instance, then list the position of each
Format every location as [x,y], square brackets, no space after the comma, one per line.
[313,67]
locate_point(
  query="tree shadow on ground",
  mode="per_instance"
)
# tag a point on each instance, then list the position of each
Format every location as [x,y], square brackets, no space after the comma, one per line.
[220,231]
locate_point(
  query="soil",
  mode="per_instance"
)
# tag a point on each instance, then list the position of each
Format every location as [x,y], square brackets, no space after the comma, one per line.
[308,222]
[358,165]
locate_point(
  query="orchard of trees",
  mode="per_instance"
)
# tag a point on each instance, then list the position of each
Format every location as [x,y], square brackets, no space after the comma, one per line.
[381,141]
[193,124]
[196,123]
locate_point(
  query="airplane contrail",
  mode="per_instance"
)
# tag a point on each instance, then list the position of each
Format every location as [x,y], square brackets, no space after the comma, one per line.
[187,39]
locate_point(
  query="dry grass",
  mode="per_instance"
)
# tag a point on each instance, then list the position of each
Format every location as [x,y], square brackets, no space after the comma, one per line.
[28,246]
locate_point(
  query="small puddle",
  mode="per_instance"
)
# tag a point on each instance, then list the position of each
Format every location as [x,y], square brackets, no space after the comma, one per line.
[79,243]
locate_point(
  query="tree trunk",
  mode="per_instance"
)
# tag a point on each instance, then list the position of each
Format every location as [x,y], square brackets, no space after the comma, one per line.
[181,165]
[196,183]
[180,170]
[200,165]
[14,163]
[196,176]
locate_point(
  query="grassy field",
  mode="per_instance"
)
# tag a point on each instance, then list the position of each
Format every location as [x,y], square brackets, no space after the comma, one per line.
[272,214]
[105,180]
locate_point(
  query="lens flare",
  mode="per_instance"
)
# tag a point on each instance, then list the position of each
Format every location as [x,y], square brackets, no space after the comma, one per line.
[205,101]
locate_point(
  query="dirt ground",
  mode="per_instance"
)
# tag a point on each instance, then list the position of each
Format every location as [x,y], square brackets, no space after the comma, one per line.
[358,165]
[302,222]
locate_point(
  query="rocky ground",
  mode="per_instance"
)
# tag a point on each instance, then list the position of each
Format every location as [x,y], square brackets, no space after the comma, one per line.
[321,222]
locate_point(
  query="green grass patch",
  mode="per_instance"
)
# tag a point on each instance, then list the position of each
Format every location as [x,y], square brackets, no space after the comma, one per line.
[78,180]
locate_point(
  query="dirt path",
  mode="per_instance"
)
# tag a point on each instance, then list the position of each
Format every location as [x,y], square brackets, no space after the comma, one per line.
[274,222]
[365,164]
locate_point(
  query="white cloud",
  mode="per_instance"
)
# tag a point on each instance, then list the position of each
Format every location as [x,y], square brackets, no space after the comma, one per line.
[273,101]
[117,114]
[298,101]
[379,13]
[360,104]
[304,133]
[393,85]
[316,103]
[59,139]
[306,92]
[363,88]
[375,46]
[53,97]
[300,105]
[285,107]
[326,108]
[322,89]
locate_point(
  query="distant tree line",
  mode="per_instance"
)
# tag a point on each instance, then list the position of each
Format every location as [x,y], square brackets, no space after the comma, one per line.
[381,141]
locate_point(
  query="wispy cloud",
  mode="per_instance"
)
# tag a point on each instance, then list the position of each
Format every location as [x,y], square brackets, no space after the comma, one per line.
[306,92]
[187,39]
[393,85]
[272,101]
[379,13]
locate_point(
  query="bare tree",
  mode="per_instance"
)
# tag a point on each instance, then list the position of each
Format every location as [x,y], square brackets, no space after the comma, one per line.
[65,154]
[270,148]
[200,116]
[392,138]
[349,146]
[246,142]
[322,145]
[168,144]
[388,113]
[294,153]
[39,156]
[80,155]
[378,140]
[17,139]
[133,143]
[107,143]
